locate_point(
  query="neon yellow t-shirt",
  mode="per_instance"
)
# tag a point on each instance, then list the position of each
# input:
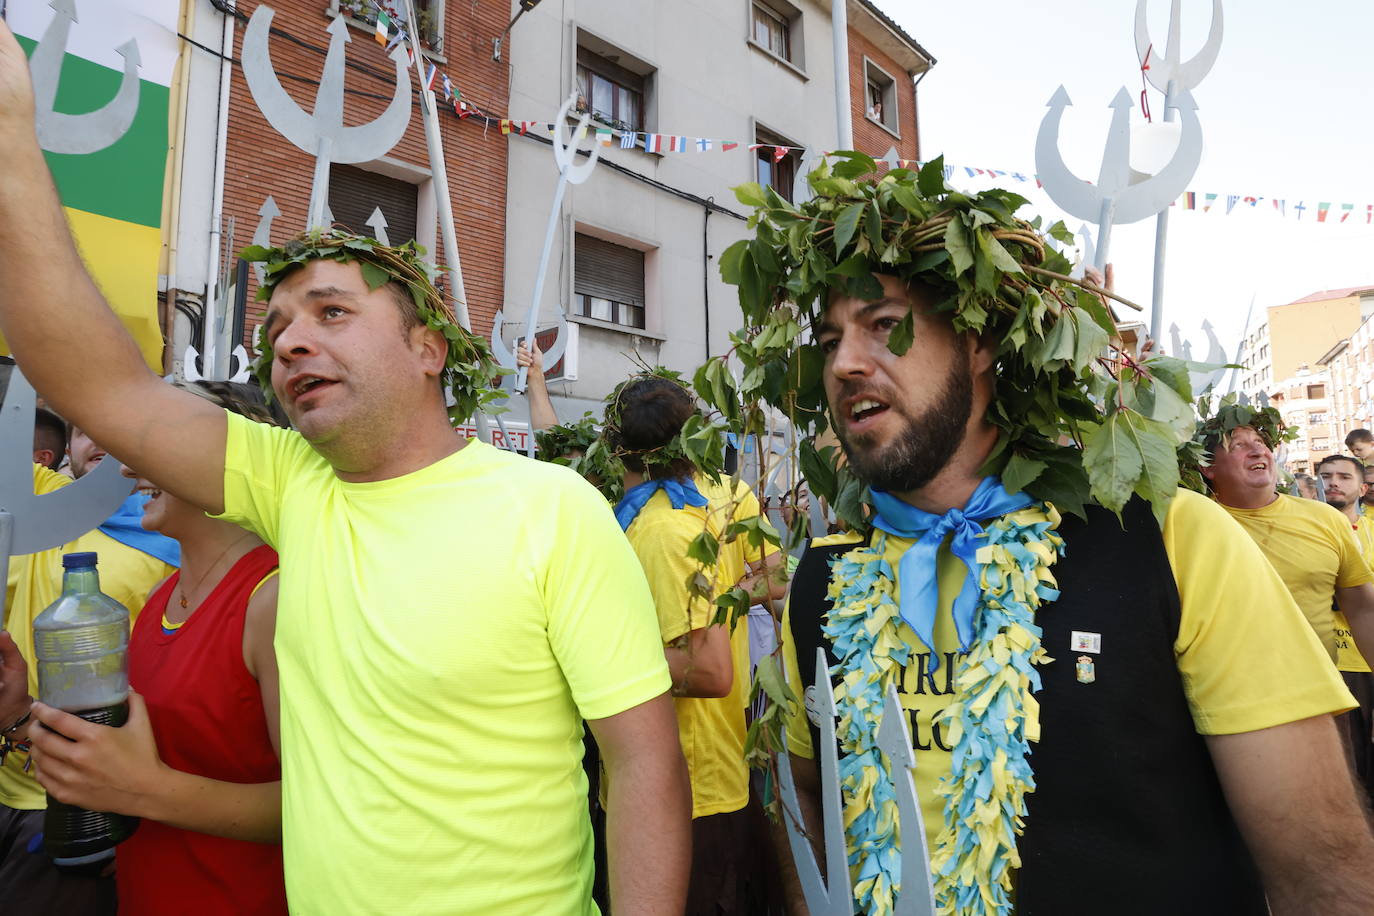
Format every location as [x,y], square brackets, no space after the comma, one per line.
[1247,657]
[440,636]
[711,729]
[127,575]
[1348,658]
[1310,545]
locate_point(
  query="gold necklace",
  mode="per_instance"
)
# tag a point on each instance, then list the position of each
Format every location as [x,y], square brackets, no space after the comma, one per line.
[210,569]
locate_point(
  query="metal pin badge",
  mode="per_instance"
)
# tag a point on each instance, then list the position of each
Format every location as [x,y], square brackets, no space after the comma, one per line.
[1085,670]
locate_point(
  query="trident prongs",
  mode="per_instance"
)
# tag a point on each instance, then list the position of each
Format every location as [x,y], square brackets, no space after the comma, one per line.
[78,134]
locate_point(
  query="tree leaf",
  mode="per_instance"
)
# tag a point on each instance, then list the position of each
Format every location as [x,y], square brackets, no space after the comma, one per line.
[375,277]
[845,224]
[957,244]
[900,337]
[769,677]
[1111,453]
[704,548]
[1020,472]
[931,179]
[750,194]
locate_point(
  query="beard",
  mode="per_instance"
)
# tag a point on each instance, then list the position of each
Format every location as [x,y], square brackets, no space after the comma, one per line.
[1337,502]
[924,445]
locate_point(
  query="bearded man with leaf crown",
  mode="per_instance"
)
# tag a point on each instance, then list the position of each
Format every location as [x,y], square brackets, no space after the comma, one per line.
[1113,702]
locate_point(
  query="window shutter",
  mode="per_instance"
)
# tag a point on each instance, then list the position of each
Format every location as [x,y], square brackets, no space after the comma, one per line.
[608,271]
[354,193]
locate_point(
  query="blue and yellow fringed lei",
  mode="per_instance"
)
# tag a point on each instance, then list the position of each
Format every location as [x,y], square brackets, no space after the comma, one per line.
[990,724]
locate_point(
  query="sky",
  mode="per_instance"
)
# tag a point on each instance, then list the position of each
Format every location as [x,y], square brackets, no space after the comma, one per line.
[1287,112]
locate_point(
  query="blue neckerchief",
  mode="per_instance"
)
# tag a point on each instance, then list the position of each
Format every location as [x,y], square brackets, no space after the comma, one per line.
[681,492]
[126,527]
[919,584]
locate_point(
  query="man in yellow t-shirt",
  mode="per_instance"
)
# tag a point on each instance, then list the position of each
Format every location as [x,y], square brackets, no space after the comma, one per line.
[1367,501]
[449,614]
[666,506]
[1308,542]
[1343,478]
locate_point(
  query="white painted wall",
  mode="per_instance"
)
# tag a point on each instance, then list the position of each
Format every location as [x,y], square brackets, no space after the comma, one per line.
[709,81]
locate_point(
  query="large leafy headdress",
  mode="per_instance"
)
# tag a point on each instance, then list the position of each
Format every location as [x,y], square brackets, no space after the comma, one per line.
[1079,421]
[469,372]
[579,445]
[1215,429]
[698,443]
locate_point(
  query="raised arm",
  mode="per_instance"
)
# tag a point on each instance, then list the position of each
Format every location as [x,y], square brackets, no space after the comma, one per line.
[1291,793]
[64,335]
[542,415]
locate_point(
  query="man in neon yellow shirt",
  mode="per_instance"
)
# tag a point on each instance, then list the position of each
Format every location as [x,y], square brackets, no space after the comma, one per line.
[1308,542]
[1343,477]
[441,633]
[666,506]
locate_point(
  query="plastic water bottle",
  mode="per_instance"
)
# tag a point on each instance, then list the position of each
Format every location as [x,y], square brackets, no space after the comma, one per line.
[81,644]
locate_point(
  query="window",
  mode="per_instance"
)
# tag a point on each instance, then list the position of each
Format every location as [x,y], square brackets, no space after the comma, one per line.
[772,30]
[612,93]
[608,281]
[1316,392]
[1321,445]
[880,96]
[1318,417]
[355,194]
[429,12]
[776,162]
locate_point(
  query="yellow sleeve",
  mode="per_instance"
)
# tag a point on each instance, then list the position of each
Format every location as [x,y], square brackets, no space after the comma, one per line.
[600,624]
[1248,658]
[1353,568]
[258,461]
[661,541]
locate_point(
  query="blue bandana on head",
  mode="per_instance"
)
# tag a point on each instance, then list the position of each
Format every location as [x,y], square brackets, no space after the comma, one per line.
[126,527]
[920,587]
[681,492]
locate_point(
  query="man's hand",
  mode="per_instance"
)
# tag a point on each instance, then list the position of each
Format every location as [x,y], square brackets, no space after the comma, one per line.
[14,683]
[542,415]
[16,89]
[531,358]
[98,767]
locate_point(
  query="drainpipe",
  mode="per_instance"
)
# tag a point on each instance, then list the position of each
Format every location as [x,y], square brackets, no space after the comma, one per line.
[210,357]
[706,274]
[839,36]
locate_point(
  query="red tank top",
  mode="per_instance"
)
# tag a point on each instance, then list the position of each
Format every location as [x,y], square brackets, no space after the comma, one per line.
[206,711]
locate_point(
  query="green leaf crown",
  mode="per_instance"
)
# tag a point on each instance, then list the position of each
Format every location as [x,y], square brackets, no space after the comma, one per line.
[470,372]
[699,442]
[1215,429]
[579,445]
[1079,422]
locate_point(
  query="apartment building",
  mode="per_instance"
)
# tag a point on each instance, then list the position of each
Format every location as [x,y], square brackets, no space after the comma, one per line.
[1300,333]
[1304,401]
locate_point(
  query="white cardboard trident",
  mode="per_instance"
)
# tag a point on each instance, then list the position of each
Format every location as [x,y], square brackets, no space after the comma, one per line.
[833,895]
[78,134]
[29,522]
[322,133]
[1114,199]
[1171,76]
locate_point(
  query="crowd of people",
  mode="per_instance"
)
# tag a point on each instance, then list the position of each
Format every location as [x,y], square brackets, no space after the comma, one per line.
[371,660]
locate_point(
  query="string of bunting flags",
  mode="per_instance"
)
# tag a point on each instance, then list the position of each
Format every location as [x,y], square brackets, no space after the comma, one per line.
[664,143]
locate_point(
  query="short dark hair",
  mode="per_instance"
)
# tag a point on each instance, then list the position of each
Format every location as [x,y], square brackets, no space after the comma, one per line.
[651,411]
[1359,465]
[1358,435]
[50,432]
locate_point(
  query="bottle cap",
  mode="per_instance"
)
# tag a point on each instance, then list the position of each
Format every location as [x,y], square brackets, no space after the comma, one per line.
[76,560]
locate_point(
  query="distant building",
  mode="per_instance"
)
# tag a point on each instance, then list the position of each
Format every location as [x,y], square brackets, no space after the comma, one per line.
[1299,334]
[1304,401]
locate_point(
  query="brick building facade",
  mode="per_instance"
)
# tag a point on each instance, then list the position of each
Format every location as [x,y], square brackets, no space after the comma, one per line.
[259,161]
[884,65]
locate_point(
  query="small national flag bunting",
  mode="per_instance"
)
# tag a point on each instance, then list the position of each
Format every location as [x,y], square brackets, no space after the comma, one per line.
[1322,208]
[604,135]
[653,143]
[383,27]
[448,87]
[1298,208]
[1346,208]
[430,75]
[505,125]
[1231,201]
[677,144]
[628,139]
[703,145]
[780,153]
[1281,205]
[726,147]
[1190,200]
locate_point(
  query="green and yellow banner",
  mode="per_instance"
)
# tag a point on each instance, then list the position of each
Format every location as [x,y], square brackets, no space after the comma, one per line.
[112,195]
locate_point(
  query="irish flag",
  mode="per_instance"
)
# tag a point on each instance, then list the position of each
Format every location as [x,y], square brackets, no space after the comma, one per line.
[112,194]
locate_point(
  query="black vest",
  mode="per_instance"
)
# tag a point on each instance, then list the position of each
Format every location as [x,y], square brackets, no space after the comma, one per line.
[1128,816]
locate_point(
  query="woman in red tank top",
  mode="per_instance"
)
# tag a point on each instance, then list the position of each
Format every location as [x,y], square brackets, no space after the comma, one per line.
[198,758]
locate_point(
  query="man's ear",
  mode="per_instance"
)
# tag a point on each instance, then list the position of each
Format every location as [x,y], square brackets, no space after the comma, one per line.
[44,456]
[432,348]
[982,352]
[1208,471]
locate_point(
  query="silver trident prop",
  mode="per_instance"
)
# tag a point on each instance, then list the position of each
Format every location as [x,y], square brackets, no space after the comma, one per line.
[1202,380]
[833,895]
[569,172]
[78,134]
[323,132]
[1171,76]
[29,522]
[1114,199]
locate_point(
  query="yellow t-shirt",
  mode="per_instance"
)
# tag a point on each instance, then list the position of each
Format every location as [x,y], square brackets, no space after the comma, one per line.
[1247,658]
[127,575]
[440,636]
[711,729]
[1348,658]
[1311,547]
